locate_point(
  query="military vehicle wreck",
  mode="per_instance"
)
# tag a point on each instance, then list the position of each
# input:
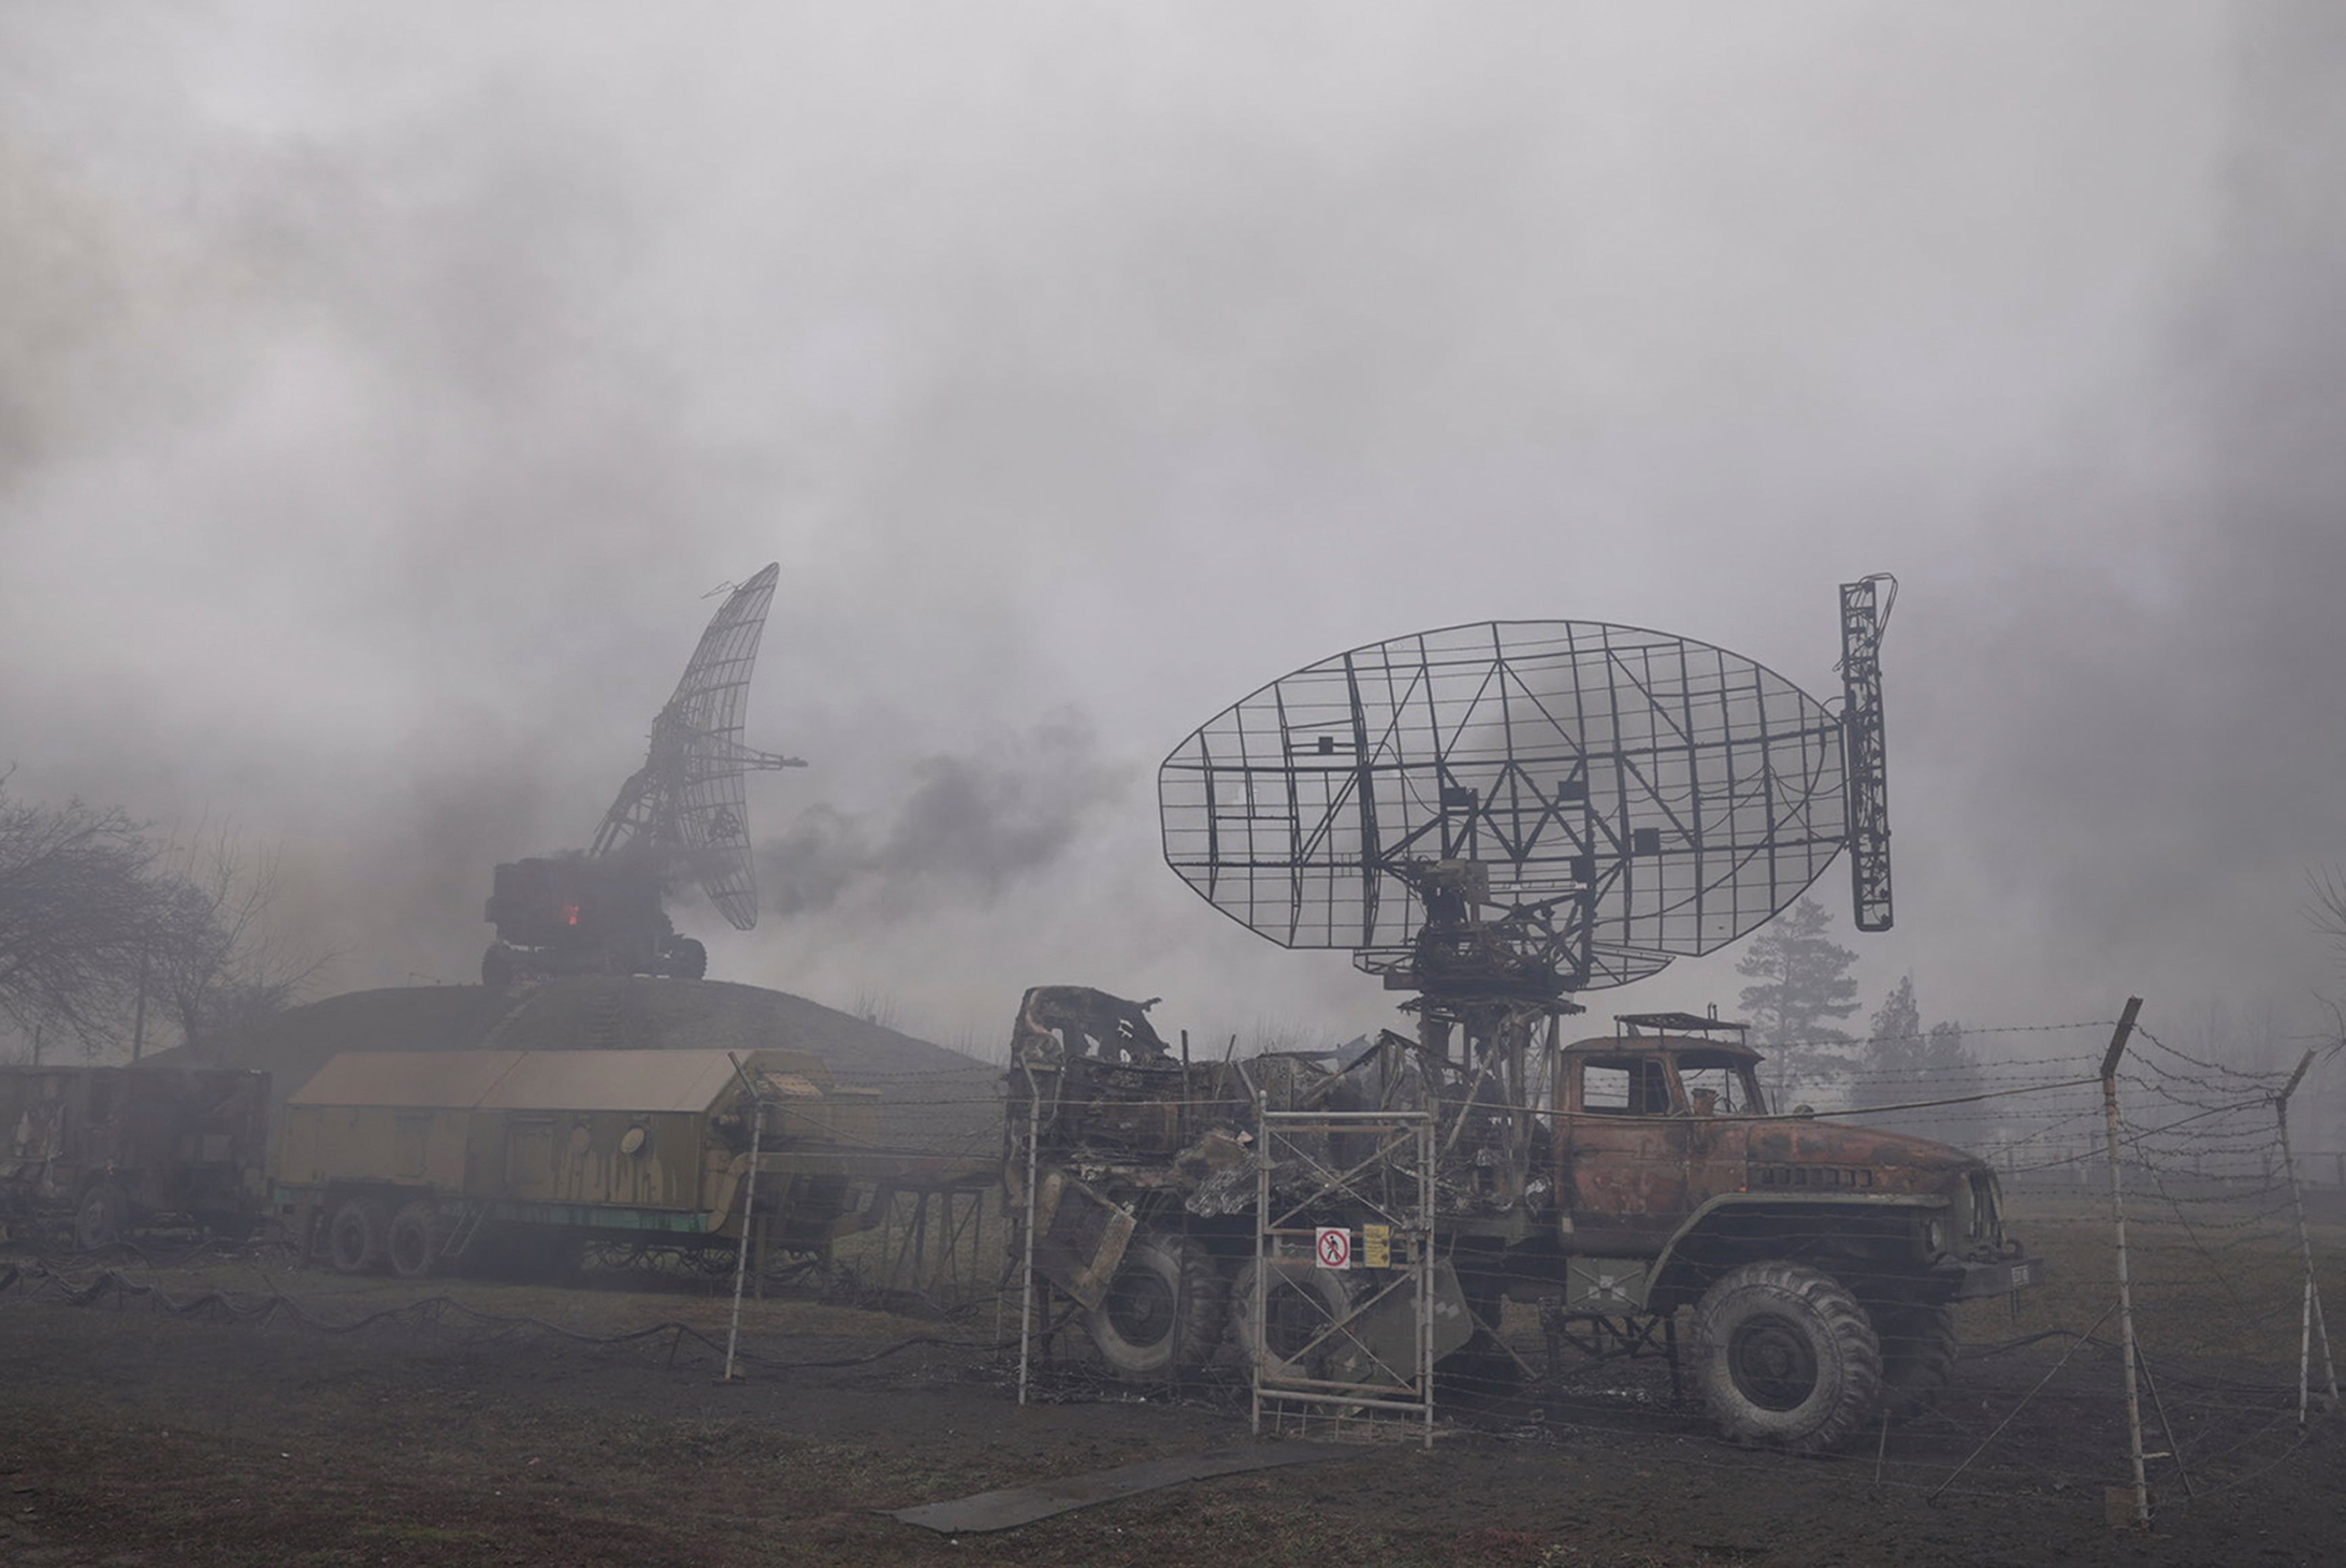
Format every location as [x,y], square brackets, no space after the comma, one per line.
[98,1154]
[1821,1262]
[1494,818]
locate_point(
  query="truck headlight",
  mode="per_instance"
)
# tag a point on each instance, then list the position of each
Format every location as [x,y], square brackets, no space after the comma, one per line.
[1935,1236]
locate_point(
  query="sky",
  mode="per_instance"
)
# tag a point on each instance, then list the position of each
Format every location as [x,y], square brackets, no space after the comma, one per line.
[384,391]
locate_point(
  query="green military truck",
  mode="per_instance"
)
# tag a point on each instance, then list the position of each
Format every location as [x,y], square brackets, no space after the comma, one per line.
[1641,1174]
[417,1161]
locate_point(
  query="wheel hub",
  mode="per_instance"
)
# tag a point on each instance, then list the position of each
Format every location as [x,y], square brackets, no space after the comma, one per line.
[1140,1308]
[1772,1362]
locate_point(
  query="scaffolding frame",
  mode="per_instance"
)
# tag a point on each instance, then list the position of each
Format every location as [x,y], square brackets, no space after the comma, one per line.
[1393,1186]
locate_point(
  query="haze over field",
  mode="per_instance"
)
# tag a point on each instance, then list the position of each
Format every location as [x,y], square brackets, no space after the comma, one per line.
[380,392]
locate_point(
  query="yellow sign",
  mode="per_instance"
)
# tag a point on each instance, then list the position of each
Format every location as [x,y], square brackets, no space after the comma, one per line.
[1376,1246]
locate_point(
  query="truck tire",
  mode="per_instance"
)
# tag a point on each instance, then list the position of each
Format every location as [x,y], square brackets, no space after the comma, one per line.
[1300,1301]
[101,1218]
[688,959]
[357,1235]
[1163,1309]
[1784,1355]
[497,965]
[1918,1347]
[412,1242]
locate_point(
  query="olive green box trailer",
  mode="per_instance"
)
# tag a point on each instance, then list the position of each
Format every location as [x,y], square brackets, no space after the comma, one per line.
[417,1159]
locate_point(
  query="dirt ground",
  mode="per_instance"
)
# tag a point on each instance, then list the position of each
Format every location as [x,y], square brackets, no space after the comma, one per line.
[133,1436]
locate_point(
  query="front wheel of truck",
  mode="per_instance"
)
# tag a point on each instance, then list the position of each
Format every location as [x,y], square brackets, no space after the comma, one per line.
[1785,1356]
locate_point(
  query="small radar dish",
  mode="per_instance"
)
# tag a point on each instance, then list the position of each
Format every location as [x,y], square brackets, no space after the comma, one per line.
[1512,810]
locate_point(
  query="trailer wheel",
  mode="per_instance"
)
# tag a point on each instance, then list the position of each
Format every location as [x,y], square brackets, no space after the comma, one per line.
[412,1243]
[357,1237]
[1301,1302]
[103,1216]
[1784,1355]
[1919,1348]
[1164,1308]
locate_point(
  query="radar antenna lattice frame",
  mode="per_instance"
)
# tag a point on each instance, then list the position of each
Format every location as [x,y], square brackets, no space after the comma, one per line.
[686,807]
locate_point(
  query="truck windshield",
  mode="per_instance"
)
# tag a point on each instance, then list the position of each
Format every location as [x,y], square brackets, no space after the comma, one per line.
[1720,1086]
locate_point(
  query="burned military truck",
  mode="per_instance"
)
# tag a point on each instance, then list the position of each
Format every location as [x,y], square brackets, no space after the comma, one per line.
[1627,1180]
[97,1154]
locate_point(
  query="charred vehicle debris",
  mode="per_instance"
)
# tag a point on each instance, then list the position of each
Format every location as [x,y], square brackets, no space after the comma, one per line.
[1643,1175]
[93,1154]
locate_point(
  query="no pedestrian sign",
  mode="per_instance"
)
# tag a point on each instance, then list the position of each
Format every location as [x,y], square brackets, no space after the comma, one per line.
[1334,1247]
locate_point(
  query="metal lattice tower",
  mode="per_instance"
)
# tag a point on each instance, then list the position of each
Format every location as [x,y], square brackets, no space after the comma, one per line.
[1867,761]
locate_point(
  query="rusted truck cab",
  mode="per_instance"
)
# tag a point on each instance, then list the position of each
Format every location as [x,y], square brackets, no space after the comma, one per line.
[1666,1149]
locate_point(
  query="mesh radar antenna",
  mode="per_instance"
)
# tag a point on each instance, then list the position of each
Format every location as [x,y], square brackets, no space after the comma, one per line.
[1499,815]
[682,816]
[688,806]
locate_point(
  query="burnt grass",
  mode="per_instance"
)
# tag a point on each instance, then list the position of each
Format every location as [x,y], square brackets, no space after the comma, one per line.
[130,1435]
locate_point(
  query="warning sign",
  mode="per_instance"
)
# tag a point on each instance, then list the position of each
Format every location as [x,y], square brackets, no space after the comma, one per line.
[1376,1246]
[1334,1248]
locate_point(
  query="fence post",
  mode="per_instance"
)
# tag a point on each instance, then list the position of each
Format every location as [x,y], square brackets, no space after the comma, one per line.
[2125,1289]
[2310,1319]
[1034,1155]
[748,1210]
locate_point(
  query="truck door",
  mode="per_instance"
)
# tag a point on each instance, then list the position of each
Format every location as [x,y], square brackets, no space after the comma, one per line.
[1624,1152]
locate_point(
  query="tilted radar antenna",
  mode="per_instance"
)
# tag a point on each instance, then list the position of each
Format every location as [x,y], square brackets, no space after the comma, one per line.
[688,804]
[1499,815]
[683,816]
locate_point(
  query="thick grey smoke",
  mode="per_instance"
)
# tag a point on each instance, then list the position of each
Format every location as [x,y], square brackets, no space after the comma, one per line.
[380,392]
[967,829]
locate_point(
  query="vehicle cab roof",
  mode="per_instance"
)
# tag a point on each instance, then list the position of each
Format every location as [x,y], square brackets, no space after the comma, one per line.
[1672,1044]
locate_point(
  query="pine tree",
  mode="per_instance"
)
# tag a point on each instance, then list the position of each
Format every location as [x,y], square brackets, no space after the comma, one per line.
[1902,1063]
[1803,981]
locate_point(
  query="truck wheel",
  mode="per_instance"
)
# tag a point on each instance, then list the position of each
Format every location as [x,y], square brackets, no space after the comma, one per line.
[1785,1355]
[1300,1301]
[1919,1348]
[1163,1309]
[356,1239]
[688,959]
[411,1243]
[103,1216]
[497,965]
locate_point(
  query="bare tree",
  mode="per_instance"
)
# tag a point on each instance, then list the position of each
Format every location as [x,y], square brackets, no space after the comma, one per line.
[216,963]
[2326,906]
[76,909]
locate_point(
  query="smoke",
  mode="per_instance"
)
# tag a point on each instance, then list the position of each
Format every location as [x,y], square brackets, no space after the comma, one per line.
[969,827]
[380,392]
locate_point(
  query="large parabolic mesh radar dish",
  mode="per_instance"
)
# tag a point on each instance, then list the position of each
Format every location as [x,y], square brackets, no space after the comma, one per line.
[1525,809]
[687,806]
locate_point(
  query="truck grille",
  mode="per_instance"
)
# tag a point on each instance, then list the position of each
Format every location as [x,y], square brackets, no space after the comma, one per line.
[1839,1179]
